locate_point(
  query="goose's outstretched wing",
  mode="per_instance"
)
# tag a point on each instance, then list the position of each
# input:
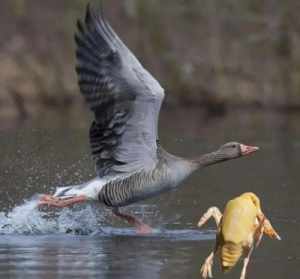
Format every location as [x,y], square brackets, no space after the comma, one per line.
[124,97]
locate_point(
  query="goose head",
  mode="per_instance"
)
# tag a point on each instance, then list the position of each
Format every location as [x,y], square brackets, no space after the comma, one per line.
[232,150]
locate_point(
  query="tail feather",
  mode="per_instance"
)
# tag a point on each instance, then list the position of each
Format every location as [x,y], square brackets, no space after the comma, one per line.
[89,189]
[230,254]
[64,191]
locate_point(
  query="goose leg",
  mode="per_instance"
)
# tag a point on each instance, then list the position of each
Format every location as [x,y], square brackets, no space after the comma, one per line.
[211,212]
[141,228]
[52,201]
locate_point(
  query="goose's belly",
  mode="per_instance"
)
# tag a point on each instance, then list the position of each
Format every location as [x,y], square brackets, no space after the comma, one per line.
[135,188]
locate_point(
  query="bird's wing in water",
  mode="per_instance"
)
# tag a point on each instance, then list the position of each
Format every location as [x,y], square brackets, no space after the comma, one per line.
[124,96]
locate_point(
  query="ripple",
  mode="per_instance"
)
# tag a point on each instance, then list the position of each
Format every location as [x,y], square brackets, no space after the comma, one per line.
[170,234]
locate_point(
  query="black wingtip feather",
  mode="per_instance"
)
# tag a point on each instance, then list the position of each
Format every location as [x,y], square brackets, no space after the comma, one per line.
[87,18]
[90,15]
[80,26]
[77,40]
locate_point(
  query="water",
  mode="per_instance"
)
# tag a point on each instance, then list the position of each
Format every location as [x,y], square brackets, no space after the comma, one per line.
[88,242]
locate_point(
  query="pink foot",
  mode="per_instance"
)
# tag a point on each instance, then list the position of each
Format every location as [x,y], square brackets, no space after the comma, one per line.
[144,229]
[59,202]
[48,200]
[141,228]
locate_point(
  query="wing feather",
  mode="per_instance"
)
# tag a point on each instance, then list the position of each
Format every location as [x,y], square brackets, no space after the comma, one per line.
[124,97]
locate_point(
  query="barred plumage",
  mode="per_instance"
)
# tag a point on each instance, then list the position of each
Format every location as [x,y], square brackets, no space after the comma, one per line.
[136,187]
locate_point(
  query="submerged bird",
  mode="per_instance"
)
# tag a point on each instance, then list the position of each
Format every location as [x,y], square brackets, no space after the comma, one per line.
[240,227]
[125,98]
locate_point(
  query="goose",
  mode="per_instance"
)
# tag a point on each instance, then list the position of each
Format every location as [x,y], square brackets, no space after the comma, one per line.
[125,98]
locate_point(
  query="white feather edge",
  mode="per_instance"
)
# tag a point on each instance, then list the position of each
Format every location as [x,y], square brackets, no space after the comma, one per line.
[89,189]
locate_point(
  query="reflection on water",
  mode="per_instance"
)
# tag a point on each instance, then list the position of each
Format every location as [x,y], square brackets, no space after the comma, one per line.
[117,257]
[88,241]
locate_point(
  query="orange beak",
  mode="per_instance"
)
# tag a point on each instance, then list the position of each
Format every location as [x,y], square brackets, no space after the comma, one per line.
[247,149]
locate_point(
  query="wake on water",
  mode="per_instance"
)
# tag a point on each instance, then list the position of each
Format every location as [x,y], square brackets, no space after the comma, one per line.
[28,219]
[86,219]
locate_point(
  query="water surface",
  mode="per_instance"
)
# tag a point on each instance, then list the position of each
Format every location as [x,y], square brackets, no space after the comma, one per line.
[88,242]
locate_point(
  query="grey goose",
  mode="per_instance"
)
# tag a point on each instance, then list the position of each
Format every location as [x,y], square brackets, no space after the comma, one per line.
[125,98]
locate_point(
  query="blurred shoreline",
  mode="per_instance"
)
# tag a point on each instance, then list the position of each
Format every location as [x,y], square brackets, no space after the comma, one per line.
[209,54]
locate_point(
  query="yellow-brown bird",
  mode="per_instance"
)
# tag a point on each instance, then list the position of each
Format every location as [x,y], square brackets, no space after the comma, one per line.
[240,227]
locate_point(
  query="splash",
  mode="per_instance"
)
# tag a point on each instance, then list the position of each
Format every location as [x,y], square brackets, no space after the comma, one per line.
[27,218]
[85,219]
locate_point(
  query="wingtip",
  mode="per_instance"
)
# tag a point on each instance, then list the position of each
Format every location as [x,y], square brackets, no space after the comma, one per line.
[79,25]
[77,39]
[88,13]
